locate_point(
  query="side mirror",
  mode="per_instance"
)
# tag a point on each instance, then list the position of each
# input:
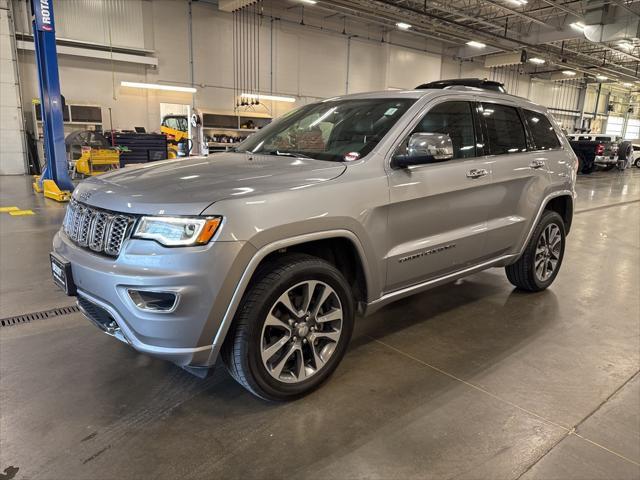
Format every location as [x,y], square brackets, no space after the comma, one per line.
[424,148]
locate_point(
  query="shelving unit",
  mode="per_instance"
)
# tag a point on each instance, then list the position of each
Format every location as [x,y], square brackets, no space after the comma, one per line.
[229,126]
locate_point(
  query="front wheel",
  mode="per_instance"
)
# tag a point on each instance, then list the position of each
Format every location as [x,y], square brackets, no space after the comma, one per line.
[637,162]
[540,262]
[292,328]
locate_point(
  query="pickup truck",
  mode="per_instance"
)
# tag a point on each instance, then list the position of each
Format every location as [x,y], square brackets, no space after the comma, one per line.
[597,150]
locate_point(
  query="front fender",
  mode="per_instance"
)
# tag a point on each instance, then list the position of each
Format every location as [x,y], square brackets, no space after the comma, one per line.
[263,251]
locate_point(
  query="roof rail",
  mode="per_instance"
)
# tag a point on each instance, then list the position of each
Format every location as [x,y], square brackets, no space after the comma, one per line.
[483,84]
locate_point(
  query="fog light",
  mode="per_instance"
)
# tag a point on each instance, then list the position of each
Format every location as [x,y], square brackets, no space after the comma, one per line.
[154,301]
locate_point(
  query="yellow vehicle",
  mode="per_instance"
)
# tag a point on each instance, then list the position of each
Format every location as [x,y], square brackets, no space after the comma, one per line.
[176,128]
[97,160]
[90,153]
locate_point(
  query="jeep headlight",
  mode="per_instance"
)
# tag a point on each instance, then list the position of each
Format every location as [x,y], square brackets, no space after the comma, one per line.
[177,231]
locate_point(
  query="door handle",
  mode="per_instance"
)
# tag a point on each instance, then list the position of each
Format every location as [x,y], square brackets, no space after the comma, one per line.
[476,173]
[537,163]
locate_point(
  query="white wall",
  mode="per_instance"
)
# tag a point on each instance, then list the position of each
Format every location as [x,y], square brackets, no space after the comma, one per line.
[12,154]
[296,60]
[310,61]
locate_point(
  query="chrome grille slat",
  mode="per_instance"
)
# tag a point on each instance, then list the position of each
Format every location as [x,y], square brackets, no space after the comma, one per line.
[100,231]
[117,231]
[85,226]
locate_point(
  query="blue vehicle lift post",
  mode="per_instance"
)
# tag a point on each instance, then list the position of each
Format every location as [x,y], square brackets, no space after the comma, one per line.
[55,180]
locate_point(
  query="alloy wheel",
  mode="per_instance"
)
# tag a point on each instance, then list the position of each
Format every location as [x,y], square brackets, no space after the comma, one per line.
[548,252]
[301,331]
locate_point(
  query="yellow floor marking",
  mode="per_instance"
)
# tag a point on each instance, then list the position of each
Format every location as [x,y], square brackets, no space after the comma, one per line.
[8,209]
[19,213]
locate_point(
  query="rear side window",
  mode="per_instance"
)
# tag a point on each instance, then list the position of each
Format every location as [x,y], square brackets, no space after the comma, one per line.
[505,130]
[544,135]
[456,120]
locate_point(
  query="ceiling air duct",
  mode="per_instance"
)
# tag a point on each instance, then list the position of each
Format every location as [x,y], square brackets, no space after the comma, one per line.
[606,22]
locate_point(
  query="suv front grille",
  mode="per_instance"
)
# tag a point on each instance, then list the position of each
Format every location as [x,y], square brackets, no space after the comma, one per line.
[98,230]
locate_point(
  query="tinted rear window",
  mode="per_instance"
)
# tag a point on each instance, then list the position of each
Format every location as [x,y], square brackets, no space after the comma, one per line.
[456,120]
[544,135]
[504,128]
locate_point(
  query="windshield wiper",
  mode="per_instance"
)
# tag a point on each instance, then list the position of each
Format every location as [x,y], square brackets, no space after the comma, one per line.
[286,154]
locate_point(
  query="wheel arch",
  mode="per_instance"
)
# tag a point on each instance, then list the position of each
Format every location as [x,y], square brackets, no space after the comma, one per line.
[549,203]
[326,245]
[563,205]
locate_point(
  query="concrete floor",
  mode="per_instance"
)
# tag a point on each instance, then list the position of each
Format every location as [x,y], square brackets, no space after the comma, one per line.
[471,380]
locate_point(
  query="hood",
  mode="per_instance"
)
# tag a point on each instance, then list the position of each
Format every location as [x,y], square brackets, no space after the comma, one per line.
[188,187]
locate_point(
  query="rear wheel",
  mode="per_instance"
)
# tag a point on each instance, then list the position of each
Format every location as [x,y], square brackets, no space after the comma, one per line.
[637,162]
[540,263]
[625,155]
[586,166]
[292,328]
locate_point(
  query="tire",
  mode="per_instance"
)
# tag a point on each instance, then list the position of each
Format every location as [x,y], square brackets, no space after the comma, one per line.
[580,162]
[625,151]
[262,321]
[522,273]
[587,166]
[606,168]
[637,162]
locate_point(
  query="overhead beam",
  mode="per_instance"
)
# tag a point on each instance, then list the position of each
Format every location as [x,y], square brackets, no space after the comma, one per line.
[537,38]
[518,13]
[559,6]
[459,29]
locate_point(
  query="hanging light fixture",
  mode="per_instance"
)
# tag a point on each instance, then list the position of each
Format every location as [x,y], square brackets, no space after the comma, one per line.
[246,54]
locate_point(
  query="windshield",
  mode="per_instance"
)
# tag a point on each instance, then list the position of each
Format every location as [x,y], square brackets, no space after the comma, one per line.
[334,130]
[177,123]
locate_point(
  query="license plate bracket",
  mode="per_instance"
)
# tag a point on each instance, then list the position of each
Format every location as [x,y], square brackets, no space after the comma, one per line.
[62,274]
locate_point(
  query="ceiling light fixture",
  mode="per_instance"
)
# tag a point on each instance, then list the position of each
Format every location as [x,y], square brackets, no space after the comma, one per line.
[474,44]
[602,77]
[518,2]
[403,26]
[310,2]
[578,26]
[274,98]
[157,86]
[569,73]
[627,84]
[536,60]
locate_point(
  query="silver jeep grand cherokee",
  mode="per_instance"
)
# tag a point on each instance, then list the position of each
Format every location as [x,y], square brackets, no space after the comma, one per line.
[264,255]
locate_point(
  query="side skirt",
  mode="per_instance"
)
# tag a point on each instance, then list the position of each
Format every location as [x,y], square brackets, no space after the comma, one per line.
[390,297]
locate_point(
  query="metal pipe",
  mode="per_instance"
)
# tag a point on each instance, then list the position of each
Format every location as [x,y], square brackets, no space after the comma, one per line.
[346,90]
[595,110]
[191,67]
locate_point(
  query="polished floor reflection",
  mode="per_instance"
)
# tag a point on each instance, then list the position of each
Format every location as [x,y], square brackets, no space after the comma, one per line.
[471,380]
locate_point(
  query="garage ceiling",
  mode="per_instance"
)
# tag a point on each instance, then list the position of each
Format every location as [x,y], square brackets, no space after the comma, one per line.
[592,37]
